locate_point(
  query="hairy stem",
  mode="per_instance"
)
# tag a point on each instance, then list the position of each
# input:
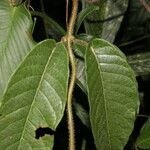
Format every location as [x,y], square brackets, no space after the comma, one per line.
[73,74]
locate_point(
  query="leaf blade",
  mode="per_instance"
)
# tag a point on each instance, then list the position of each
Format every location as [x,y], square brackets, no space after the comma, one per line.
[105,23]
[140,63]
[107,71]
[16,42]
[35,97]
[83,14]
[143,141]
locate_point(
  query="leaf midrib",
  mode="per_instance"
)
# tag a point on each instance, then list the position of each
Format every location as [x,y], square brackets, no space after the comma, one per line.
[38,87]
[100,70]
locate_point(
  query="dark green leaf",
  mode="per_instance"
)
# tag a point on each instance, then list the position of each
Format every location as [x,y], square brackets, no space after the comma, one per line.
[80,53]
[35,97]
[113,96]
[85,37]
[81,82]
[82,114]
[135,21]
[83,14]
[143,141]
[105,22]
[137,13]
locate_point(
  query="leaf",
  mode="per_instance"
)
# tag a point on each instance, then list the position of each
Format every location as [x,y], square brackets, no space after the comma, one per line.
[81,81]
[135,21]
[105,22]
[79,50]
[140,63]
[112,93]
[83,14]
[143,141]
[82,113]
[15,40]
[85,37]
[138,13]
[35,97]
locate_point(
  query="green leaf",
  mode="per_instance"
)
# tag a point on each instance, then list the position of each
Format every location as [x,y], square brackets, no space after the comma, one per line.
[81,82]
[83,14]
[35,97]
[80,77]
[143,141]
[112,93]
[79,48]
[82,113]
[140,63]
[105,22]
[85,37]
[15,40]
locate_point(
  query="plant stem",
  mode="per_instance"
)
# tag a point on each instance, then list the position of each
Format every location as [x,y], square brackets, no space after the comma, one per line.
[73,74]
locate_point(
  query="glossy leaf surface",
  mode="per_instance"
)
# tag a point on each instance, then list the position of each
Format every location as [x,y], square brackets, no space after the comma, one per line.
[35,97]
[112,92]
[83,14]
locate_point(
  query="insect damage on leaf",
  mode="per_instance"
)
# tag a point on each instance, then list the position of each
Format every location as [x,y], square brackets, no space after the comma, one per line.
[40,132]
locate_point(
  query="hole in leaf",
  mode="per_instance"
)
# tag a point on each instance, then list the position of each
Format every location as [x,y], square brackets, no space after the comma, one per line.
[40,132]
